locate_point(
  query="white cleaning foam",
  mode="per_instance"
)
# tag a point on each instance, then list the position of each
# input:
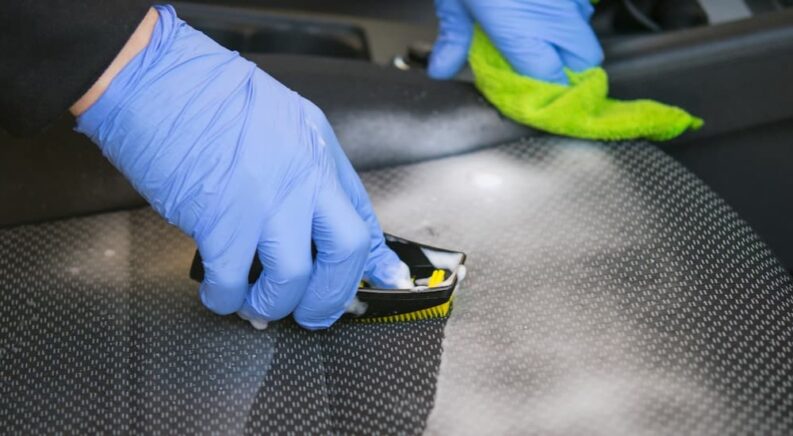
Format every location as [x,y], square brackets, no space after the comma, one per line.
[443,259]
[256,323]
[402,278]
[356,307]
[395,276]
[461,273]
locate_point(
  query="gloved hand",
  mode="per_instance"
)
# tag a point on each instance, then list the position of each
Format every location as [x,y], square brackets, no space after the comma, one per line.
[241,163]
[539,38]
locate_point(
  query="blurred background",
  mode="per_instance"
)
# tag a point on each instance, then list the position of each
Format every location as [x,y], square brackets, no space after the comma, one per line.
[727,61]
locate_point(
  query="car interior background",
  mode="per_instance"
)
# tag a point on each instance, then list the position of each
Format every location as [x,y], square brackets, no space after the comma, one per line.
[613,287]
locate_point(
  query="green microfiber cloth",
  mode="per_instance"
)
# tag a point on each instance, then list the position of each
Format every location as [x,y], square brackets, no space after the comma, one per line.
[581,110]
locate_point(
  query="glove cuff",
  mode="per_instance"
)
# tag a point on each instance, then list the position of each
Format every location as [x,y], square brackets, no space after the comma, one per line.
[90,121]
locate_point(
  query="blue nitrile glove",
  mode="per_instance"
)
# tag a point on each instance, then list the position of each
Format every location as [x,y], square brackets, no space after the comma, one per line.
[239,162]
[539,38]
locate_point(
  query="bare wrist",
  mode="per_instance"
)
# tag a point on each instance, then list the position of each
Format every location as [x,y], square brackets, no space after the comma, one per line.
[136,43]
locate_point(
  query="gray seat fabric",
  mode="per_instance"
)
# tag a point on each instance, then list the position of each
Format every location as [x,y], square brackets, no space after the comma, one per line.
[609,292]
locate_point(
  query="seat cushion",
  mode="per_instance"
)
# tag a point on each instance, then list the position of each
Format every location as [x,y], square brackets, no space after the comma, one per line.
[609,292]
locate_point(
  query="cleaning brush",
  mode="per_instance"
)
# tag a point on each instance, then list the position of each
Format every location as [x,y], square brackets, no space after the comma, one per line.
[436,273]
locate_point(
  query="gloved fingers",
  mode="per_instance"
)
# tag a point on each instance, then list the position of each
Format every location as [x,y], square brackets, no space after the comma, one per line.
[540,39]
[383,268]
[585,8]
[285,252]
[577,44]
[450,51]
[342,241]
[344,171]
[227,248]
[583,55]
[532,57]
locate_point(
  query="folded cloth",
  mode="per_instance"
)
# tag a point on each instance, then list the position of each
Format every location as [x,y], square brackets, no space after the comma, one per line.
[581,110]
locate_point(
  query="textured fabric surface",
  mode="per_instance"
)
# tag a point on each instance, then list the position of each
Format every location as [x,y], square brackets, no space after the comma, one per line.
[608,292]
[581,110]
[102,330]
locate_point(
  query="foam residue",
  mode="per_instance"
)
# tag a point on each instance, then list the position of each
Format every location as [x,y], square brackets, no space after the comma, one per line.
[356,307]
[401,278]
[258,324]
[443,259]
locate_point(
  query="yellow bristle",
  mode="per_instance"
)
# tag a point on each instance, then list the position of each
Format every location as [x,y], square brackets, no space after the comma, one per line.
[439,311]
[437,277]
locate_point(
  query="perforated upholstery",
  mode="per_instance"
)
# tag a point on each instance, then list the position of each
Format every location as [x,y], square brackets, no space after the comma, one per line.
[609,292]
